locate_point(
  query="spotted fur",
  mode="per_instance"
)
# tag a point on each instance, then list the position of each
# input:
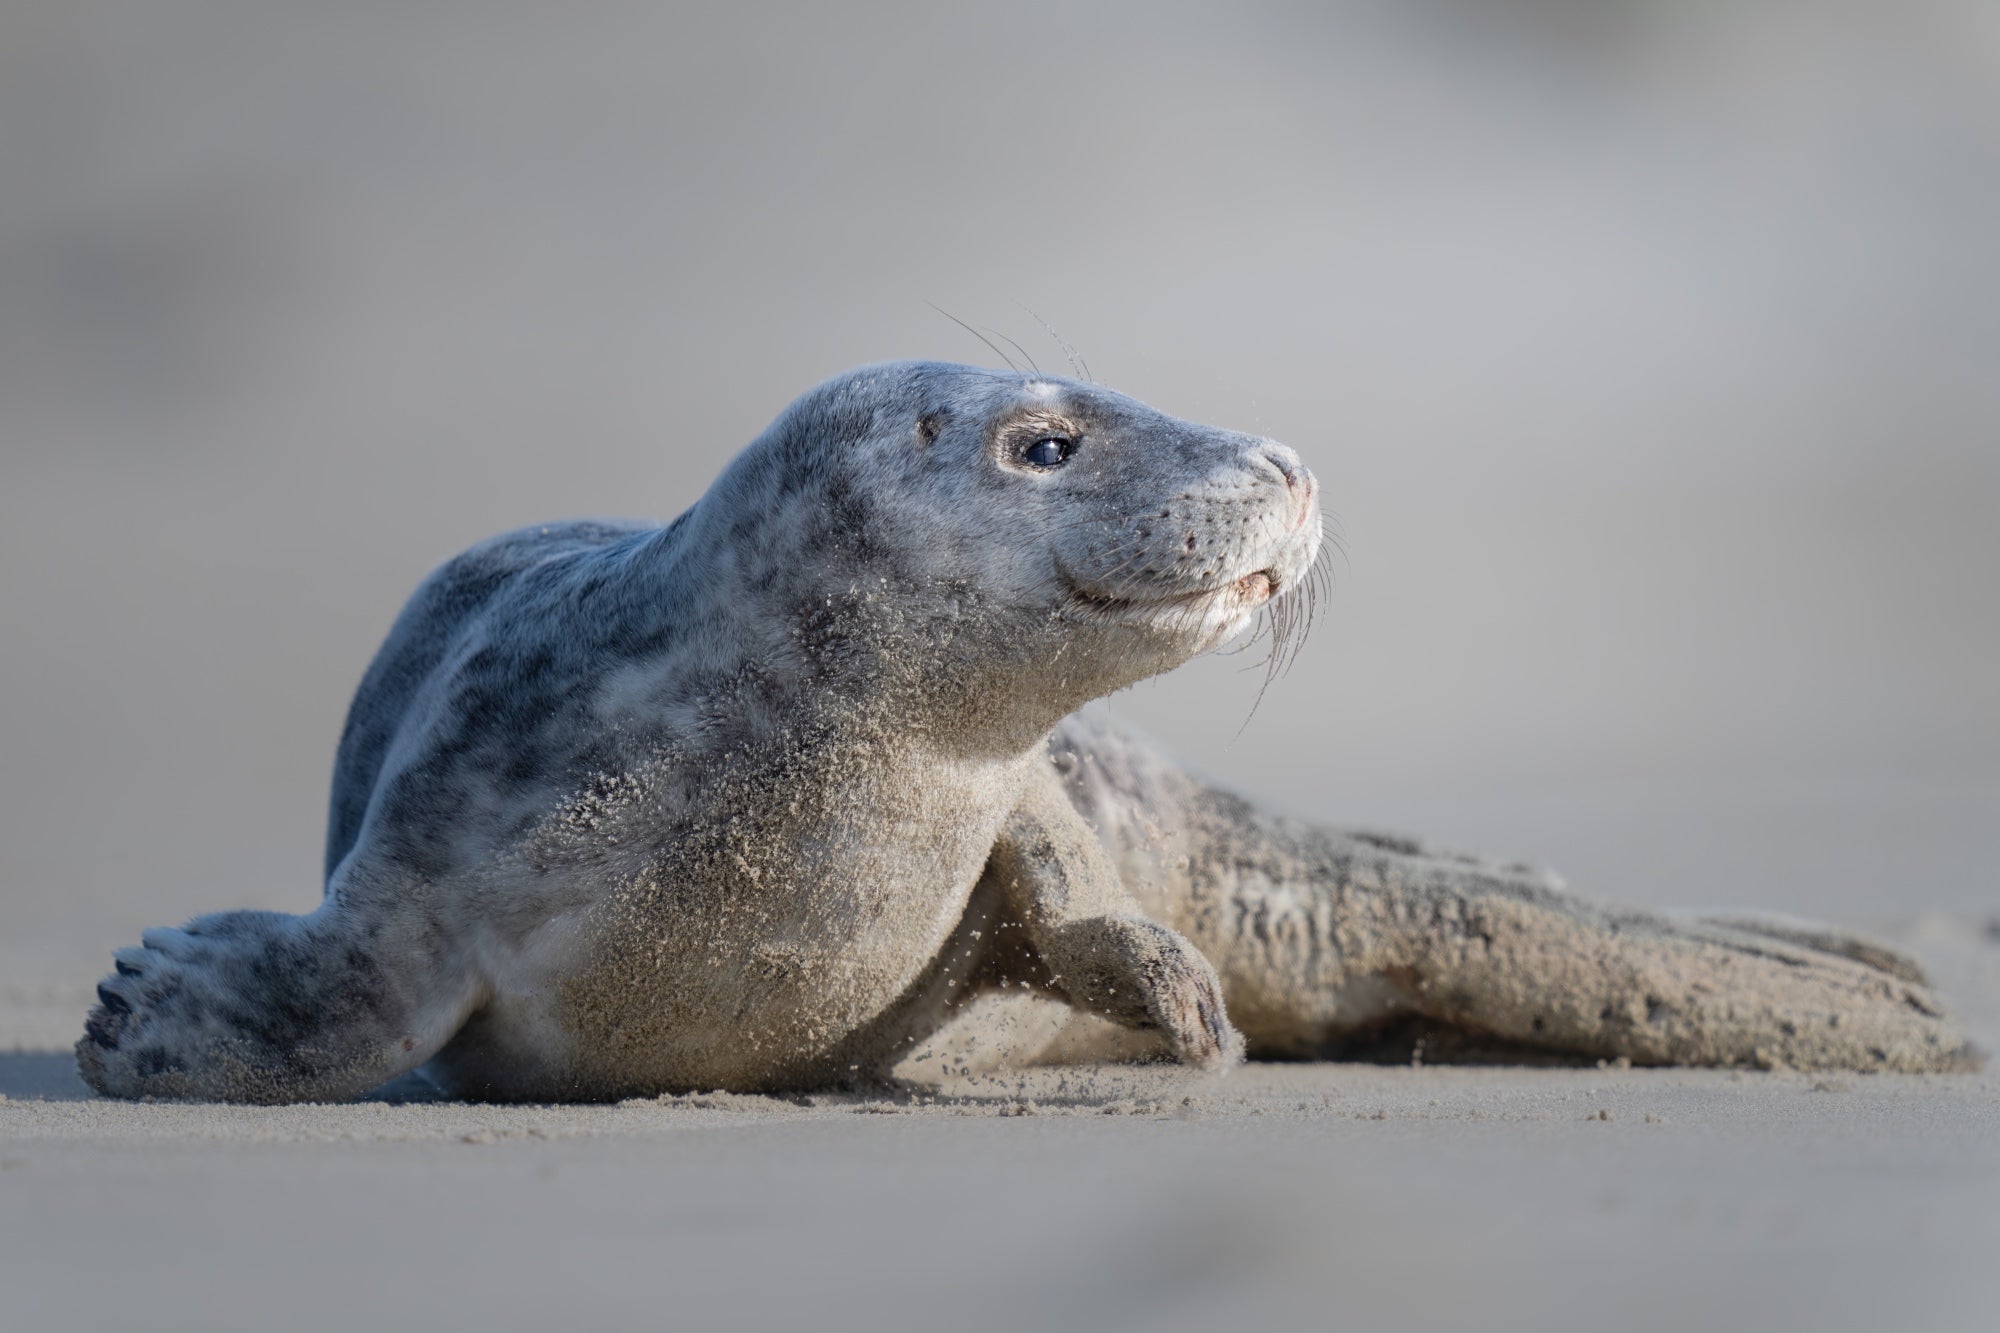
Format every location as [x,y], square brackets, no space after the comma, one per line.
[763,797]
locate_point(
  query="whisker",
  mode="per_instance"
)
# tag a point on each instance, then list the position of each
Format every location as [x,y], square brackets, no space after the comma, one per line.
[977,334]
[1076,361]
[1017,347]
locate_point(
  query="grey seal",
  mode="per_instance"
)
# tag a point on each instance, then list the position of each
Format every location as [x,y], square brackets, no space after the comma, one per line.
[773,795]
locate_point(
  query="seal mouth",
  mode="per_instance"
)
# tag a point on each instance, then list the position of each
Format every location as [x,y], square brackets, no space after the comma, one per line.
[1250,591]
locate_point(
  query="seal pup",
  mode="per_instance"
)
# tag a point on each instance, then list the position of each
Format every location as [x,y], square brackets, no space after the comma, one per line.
[766,797]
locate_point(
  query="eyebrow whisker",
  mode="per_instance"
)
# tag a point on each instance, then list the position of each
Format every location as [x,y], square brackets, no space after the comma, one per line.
[1076,361]
[1017,347]
[977,334]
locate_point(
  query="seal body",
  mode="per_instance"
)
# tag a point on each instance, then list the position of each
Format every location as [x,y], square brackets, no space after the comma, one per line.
[624,808]
[769,796]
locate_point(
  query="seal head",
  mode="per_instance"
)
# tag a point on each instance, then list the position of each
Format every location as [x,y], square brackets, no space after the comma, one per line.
[1020,535]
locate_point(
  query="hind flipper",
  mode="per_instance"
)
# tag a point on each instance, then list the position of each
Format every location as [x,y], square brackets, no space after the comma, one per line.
[1819,936]
[1519,960]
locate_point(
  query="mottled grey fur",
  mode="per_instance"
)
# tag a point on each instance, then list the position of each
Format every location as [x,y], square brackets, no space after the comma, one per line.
[762,798]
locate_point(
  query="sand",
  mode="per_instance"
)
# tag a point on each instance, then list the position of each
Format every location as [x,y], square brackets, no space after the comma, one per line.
[1103,1197]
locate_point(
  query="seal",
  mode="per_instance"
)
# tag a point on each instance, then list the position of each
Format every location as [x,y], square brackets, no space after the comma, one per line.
[772,795]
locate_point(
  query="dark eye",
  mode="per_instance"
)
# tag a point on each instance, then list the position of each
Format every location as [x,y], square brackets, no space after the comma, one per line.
[1049,451]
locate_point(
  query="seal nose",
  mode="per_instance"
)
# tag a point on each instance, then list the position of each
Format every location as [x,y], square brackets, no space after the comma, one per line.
[1286,462]
[1298,479]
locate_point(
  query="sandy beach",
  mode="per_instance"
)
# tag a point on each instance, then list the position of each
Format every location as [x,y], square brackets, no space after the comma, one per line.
[1102,1197]
[1645,353]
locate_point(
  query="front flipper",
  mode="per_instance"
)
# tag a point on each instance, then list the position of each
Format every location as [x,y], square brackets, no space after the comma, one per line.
[1100,952]
[266,1007]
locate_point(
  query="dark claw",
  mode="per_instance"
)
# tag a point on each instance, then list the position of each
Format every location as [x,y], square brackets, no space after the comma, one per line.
[125,969]
[113,1001]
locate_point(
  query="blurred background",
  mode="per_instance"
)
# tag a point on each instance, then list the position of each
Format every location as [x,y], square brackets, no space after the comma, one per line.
[1649,354]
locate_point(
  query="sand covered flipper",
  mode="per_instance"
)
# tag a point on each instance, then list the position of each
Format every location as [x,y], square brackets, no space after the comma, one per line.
[1533,964]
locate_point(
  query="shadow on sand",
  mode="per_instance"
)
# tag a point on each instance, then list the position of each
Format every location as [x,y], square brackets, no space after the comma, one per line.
[41,1076]
[51,1076]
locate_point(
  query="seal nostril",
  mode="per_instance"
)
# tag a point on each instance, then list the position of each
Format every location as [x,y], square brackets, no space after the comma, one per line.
[1288,465]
